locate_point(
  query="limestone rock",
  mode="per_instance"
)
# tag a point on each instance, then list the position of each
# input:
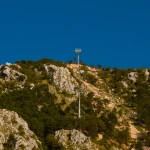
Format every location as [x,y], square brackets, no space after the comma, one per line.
[32,86]
[20,86]
[12,124]
[62,78]
[9,73]
[75,140]
[125,84]
[133,76]
[8,64]
[147,74]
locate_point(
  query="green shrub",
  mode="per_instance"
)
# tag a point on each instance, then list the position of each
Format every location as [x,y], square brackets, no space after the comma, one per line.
[52,143]
[21,78]
[91,79]
[10,144]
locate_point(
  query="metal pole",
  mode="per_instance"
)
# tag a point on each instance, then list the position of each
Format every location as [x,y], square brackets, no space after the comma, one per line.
[78,51]
[79,63]
[78,59]
[79,89]
[79,105]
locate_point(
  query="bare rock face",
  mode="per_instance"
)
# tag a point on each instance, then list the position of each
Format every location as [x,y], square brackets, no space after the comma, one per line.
[147,74]
[11,125]
[75,140]
[133,76]
[62,78]
[9,73]
[125,84]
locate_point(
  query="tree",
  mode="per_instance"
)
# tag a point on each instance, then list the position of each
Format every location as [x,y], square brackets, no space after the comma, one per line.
[138,146]
[99,66]
[10,144]
[52,143]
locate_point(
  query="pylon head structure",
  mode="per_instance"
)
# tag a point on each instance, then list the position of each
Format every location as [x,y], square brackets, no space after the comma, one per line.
[78,50]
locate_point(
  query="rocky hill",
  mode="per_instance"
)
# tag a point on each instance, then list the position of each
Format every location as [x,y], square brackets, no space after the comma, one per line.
[14,132]
[115,106]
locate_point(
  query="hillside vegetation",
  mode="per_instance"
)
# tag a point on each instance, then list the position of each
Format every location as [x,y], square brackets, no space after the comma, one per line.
[115,105]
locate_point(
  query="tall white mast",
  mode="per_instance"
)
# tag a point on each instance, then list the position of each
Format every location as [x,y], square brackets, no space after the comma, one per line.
[78,51]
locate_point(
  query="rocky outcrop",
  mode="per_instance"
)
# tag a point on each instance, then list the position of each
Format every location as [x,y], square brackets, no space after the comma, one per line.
[32,85]
[147,74]
[10,74]
[133,76]
[75,140]
[11,125]
[62,78]
[125,84]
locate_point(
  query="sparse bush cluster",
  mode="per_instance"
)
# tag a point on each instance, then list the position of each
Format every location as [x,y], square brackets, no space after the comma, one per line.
[136,94]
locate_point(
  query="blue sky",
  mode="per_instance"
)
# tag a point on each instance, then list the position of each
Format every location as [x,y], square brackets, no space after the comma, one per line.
[114,33]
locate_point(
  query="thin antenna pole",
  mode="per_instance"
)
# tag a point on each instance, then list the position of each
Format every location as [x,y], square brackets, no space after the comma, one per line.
[78,60]
[78,51]
[79,107]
